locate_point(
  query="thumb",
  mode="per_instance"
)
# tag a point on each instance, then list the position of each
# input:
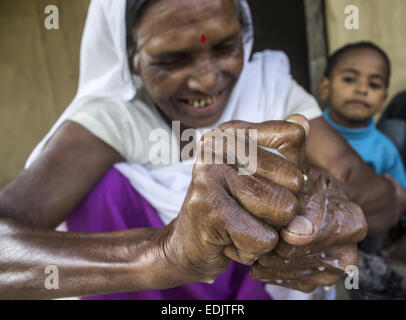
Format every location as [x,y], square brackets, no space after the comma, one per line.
[295,152]
[305,227]
[300,120]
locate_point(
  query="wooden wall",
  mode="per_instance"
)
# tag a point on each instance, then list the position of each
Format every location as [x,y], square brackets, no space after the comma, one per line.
[380,21]
[38,74]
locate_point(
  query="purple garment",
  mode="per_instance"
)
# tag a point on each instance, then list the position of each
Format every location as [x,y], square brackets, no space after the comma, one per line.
[114,205]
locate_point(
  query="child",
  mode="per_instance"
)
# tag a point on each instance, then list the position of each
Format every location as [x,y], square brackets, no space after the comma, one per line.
[355,87]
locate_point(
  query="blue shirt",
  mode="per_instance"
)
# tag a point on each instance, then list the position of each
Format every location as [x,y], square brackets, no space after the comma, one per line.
[374,147]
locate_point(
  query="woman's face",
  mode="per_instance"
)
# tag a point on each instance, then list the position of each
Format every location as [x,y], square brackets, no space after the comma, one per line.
[190,55]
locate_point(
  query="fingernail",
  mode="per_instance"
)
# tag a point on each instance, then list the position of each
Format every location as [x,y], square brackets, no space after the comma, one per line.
[301,226]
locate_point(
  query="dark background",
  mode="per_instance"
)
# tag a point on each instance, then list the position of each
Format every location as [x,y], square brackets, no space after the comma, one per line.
[281,25]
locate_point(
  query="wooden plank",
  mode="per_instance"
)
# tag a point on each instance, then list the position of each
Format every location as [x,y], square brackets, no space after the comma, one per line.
[316,42]
[39,71]
[382,22]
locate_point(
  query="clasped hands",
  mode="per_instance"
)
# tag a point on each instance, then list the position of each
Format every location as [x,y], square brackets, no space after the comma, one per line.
[290,222]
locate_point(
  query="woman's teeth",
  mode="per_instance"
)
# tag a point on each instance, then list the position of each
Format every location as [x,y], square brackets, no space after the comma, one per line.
[203,103]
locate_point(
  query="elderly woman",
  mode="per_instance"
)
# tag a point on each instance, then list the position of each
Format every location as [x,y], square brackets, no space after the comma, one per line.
[200,231]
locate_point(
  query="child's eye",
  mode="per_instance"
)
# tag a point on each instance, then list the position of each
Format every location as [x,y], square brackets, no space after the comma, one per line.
[349,79]
[375,85]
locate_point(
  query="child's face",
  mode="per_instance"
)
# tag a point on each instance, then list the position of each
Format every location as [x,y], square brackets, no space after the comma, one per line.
[356,89]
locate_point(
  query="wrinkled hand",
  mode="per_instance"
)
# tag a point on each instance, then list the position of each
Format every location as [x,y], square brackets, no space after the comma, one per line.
[230,216]
[319,243]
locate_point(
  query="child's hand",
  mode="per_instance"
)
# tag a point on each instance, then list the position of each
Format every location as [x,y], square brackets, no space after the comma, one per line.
[400,193]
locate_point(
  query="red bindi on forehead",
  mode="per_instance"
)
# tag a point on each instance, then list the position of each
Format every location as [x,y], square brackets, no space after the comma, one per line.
[203,38]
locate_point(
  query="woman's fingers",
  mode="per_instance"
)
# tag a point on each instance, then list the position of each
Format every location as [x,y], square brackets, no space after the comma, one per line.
[324,218]
[297,154]
[213,227]
[300,120]
[294,285]
[265,194]
[304,280]
[248,236]
[266,200]
[308,284]
[276,169]
[228,146]
[286,137]
[346,222]
[317,269]
[333,258]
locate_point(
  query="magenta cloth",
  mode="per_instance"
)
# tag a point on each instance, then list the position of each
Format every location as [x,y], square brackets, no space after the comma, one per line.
[114,205]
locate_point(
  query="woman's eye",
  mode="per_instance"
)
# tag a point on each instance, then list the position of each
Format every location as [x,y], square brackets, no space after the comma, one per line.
[224,49]
[164,63]
[171,63]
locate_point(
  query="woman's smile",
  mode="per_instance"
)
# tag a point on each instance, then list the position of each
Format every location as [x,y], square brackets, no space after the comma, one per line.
[202,102]
[204,106]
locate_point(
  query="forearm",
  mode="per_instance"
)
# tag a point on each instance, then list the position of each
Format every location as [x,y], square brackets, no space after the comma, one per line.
[402,205]
[43,196]
[87,264]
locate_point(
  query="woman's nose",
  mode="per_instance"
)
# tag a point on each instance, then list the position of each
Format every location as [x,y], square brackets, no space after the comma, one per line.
[204,80]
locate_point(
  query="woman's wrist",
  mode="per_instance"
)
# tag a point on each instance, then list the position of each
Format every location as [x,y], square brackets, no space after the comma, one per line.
[153,265]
